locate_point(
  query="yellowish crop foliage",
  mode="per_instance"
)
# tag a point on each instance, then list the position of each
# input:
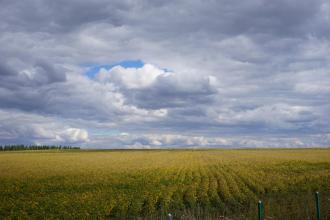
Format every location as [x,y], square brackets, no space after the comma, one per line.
[151,183]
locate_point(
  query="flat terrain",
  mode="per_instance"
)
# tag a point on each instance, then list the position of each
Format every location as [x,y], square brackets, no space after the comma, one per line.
[204,184]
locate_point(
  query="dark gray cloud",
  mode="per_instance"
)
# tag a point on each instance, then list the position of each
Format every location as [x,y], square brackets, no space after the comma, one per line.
[36,73]
[59,16]
[252,73]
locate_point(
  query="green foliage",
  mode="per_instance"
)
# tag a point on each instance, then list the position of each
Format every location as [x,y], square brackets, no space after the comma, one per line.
[190,184]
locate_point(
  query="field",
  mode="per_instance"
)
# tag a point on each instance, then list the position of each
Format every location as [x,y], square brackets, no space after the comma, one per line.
[148,184]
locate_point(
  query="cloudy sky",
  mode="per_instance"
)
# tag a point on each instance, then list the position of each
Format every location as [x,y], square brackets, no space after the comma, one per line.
[153,73]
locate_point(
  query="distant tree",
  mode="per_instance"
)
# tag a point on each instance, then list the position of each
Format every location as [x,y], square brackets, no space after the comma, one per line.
[16,147]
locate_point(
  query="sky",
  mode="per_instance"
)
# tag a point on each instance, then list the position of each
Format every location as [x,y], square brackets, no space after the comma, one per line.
[165,74]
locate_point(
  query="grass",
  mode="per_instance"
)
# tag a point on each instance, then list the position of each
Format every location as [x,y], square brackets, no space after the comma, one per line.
[191,184]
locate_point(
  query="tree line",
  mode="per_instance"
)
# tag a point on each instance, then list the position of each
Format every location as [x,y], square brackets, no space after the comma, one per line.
[13,147]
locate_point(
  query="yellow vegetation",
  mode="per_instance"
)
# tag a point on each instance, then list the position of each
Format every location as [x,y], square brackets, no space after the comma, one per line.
[150,183]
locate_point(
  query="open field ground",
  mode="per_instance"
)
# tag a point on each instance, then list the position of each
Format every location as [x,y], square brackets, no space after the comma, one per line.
[191,184]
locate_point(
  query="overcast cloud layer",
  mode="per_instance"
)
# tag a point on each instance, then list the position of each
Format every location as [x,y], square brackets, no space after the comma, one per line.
[213,73]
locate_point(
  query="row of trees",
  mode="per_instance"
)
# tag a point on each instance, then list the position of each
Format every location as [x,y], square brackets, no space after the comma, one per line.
[13,147]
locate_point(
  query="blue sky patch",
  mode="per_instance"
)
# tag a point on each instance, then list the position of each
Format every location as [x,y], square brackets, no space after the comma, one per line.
[93,69]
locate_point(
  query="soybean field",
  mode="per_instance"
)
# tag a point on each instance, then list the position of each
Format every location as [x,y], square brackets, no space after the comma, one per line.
[148,184]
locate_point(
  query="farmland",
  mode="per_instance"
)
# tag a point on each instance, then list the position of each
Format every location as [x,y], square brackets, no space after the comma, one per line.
[191,184]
